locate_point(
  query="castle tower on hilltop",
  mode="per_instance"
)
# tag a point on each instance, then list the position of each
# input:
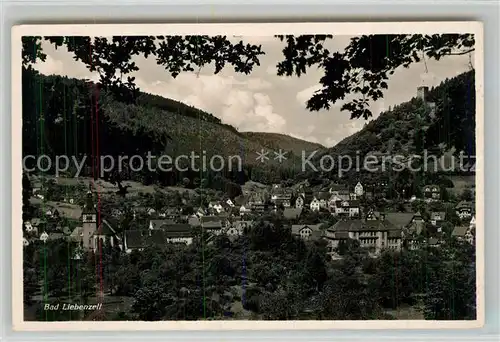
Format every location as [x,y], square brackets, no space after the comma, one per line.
[422,92]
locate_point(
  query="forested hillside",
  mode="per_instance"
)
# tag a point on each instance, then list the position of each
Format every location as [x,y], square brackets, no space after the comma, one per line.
[408,126]
[63,116]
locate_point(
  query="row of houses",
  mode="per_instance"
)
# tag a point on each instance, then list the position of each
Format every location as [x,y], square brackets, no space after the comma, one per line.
[375,230]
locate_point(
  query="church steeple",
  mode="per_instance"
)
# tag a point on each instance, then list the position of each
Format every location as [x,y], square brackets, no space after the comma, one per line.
[89,211]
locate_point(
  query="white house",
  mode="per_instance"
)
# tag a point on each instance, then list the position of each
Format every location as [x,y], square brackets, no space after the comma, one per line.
[299,202]
[44,236]
[346,208]
[30,228]
[216,206]
[306,232]
[315,204]
[244,210]
[358,190]
[464,210]
[472,223]
[230,203]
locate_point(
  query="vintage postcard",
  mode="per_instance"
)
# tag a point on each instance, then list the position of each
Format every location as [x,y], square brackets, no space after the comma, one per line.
[248,176]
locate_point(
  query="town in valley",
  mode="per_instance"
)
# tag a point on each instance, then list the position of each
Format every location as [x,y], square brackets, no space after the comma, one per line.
[268,241]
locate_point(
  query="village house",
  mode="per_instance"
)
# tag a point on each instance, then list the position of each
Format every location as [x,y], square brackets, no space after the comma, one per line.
[464,210]
[94,233]
[229,202]
[238,227]
[244,210]
[170,213]
[299,202]
[215,205]
[372,233]
[194,221]
[358,190]
[460,233]
[156,224]
[432,192]
[213,224]
[340,191]
[323,197]
[283,199]
[31,227]
[307,232]
[259,208]
[255,199]
[346,208]
[140,239]
[437,218]
[315,204]
[200,211]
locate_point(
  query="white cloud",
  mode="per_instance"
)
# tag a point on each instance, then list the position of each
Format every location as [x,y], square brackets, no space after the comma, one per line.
[51,66]
[304,95]
[262,101]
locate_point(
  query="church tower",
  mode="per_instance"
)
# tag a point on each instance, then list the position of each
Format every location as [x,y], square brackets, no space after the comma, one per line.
[89,221]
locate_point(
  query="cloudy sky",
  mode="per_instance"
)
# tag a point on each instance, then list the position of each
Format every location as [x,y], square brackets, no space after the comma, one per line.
[263,101]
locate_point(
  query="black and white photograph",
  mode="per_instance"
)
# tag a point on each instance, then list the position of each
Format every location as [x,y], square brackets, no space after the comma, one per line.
[249,174]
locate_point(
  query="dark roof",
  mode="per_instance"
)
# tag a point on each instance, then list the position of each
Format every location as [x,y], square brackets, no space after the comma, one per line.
[177,227]
[194,221]
[399,220]
[459,231]
[464,204]
[211,222]
[436,214]
[433,241]
[393,234]
[338,187]
[362,225]
[105,229]
[55,236]
[341,235]
[158,223]
[291,213]
[323,195]
[432,186]
[352,204]
[296,228]
[150,237]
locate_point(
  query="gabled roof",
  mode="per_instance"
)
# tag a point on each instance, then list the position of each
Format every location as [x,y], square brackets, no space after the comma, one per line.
[211,222]
[338,187]
[194,221]
[464,205]
[362,225]
[438,214]
[400,220]
[323,195]
[105,229]
[296,228]
[158,223]
[150,237]
[459,231]
[351,203]
[292,213]
[176,227]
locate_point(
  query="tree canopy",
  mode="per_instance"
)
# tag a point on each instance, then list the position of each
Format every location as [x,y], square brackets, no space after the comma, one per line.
[361,70]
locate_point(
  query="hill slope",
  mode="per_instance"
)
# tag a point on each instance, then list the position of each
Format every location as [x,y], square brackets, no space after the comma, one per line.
[63,116]
[283,141]
[410,128]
